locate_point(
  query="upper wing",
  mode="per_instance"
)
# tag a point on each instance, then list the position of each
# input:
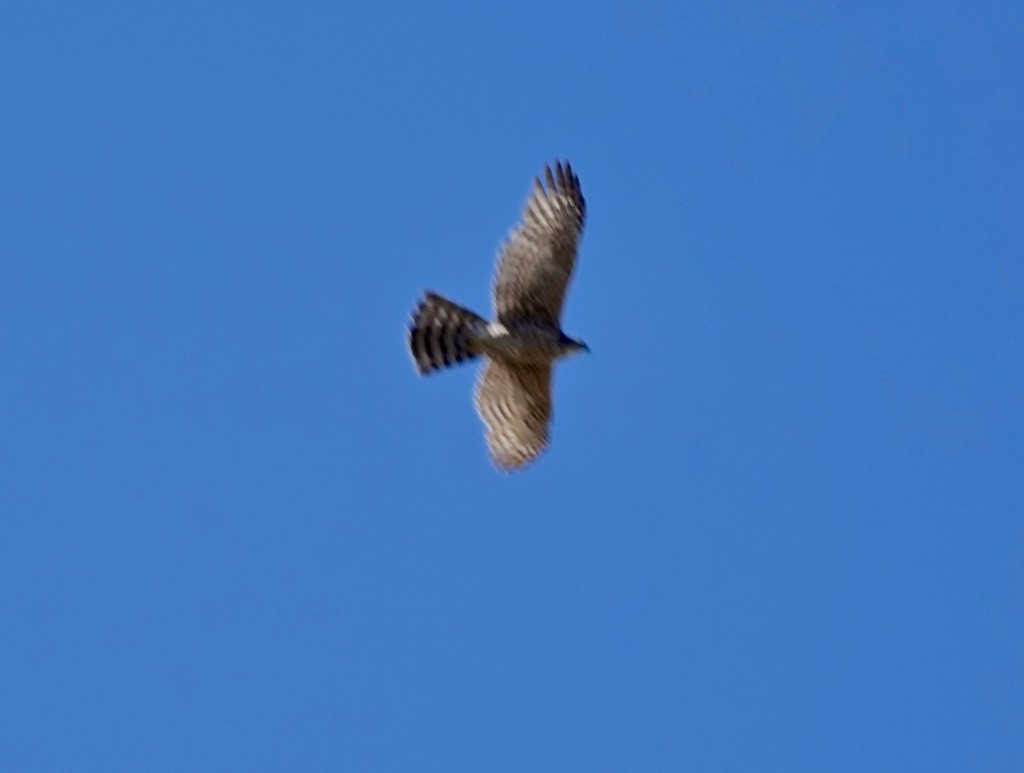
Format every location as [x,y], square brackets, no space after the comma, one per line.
[514,402]
[535,264]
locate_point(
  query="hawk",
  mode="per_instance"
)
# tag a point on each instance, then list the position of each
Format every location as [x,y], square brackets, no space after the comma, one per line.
[513,390]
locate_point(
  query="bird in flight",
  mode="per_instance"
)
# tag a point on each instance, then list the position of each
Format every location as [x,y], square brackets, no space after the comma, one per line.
[519,347]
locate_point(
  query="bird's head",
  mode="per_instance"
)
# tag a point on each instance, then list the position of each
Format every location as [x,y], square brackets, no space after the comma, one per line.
[573,345]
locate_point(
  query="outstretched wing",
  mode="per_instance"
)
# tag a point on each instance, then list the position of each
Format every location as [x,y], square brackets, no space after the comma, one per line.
[514,402]
[535,264]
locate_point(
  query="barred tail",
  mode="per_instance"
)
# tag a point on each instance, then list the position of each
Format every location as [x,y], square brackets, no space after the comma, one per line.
[441,333]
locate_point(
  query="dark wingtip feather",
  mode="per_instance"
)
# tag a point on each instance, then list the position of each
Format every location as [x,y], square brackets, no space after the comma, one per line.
[549,178]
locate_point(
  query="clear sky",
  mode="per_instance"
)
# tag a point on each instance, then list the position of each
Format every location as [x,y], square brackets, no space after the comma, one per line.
[781,523]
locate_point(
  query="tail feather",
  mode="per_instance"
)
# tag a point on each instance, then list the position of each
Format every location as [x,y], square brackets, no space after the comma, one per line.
[441,333]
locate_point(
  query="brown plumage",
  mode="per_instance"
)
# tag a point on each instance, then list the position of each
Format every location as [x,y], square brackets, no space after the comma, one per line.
[535,264]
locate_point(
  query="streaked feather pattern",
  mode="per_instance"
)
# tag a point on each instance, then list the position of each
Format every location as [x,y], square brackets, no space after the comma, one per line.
[535,264]
[514,402]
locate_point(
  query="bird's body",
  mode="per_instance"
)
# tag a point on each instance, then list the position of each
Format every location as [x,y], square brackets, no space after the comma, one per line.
[534,268]
[524,343]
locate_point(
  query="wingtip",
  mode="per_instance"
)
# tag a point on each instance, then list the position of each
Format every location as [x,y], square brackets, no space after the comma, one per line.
[560,176]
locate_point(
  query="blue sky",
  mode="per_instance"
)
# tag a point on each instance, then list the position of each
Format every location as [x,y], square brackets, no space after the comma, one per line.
[780,524]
